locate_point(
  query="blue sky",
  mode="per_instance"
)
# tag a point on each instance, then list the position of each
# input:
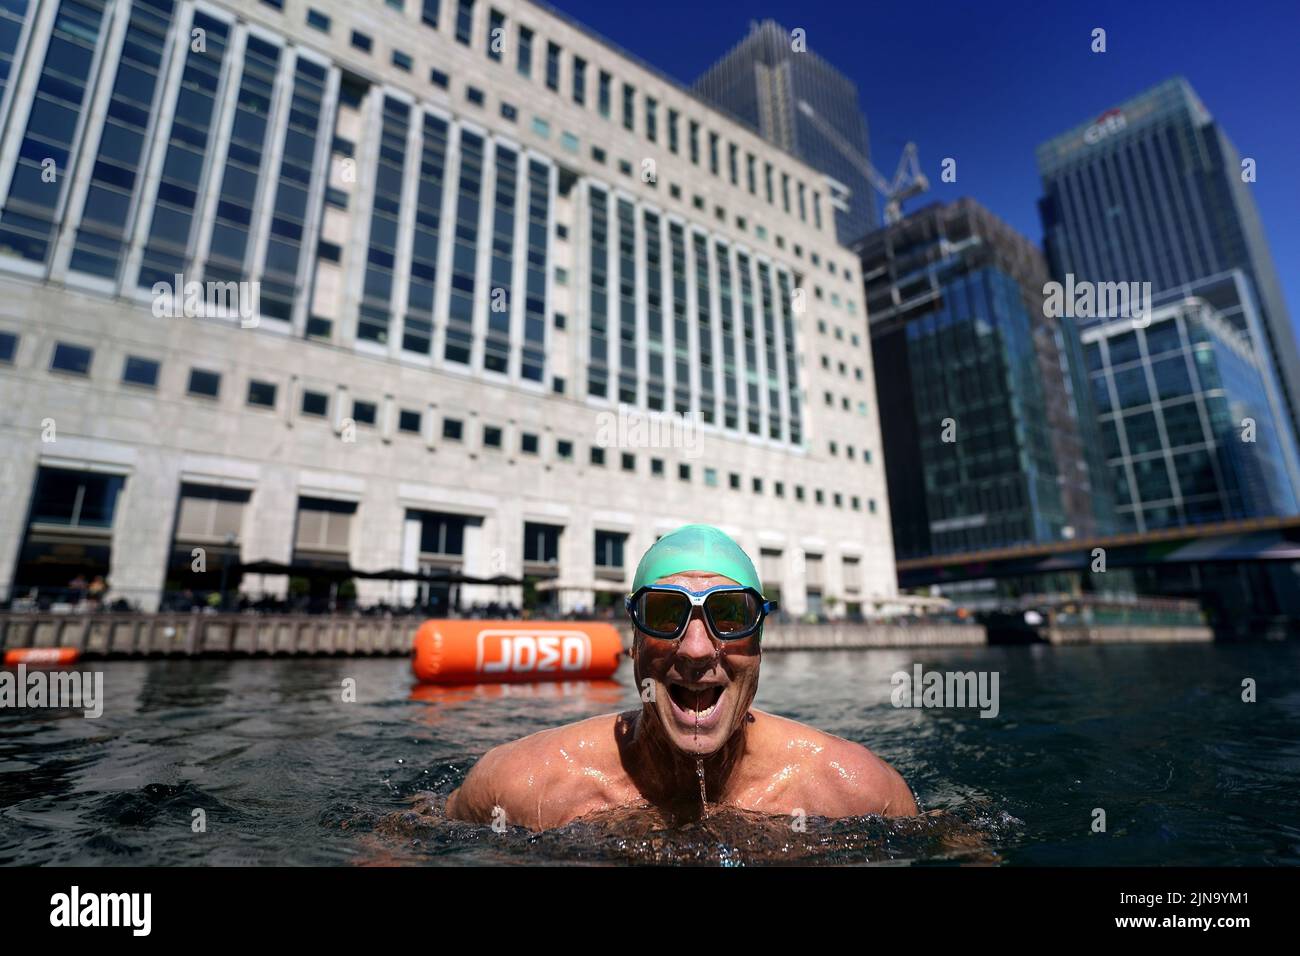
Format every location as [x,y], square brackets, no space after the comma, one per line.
[986,82]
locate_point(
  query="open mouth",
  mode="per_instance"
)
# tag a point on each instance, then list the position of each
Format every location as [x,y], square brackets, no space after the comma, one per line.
[697,701]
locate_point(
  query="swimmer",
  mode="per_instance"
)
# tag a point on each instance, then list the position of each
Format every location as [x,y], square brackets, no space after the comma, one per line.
[698,612]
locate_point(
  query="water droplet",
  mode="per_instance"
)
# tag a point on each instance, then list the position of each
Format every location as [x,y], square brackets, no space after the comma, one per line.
[704,797]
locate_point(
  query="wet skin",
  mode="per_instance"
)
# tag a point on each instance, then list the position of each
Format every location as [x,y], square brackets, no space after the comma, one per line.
[752,760]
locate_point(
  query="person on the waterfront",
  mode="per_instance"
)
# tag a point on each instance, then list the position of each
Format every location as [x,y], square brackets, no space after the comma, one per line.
[697,611]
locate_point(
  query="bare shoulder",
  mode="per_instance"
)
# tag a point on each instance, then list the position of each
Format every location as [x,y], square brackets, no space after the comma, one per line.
[543,779]
[837,777]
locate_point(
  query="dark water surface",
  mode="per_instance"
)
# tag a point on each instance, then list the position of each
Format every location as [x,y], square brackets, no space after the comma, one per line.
[287,773]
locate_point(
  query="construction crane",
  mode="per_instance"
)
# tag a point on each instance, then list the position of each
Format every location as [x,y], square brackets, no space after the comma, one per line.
[908,179]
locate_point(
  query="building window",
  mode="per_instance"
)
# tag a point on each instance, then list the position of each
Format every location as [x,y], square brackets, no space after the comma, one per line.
[496,34]
[597,455]
[757,485]
[261,394]
[524,58]
[528,443]
[8,347]
[429,14]
[204,384]
[324,527]
[657,467]
[604,83]
[318,21]
[402,61]
[629,106]
[508,112]
[439,79]
[361,41]
[474,95]
[364,413]
[71,358]
[552,66]
[417,332]
[711,477]
[464,21]
[557,384]
[651,119]
[541,543]
[75,499]
[564,449]
[672,131]
[609,549]
[733,480]
[319,328]
[491,436]
[541,127]
[315,403]
[579,81]
[140,371]
[598,154]
[408,420]
[452,429]
[629,461]
[569,142]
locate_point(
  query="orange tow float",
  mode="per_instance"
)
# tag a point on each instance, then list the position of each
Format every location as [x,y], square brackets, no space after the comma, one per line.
[41,655]
[471,652]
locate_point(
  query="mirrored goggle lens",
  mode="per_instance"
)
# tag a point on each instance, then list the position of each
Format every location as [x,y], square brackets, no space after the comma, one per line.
[663,611]
[732,612]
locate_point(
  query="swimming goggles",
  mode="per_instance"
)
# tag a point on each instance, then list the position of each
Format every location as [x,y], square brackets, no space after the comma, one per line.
[732,612]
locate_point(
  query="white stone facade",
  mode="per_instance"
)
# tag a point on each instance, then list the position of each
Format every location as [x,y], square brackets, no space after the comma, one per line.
[830,505]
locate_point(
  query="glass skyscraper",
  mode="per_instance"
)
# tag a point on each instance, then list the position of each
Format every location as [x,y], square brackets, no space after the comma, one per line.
[763,81]
[1188,425]
[1153,191]
[985,426]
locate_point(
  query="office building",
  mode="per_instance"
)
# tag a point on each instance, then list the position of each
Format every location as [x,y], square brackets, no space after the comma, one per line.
[1188,425]
[798,101]
[1154,191]
[986,424]
[428,285]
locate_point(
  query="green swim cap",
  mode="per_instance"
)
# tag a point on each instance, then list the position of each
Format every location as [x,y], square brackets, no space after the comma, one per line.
[696,547]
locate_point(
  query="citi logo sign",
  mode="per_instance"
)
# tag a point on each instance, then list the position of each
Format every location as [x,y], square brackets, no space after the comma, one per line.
[521,651]
[1108,123]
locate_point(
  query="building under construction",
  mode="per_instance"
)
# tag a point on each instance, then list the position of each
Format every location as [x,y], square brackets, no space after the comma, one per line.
[987,428]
